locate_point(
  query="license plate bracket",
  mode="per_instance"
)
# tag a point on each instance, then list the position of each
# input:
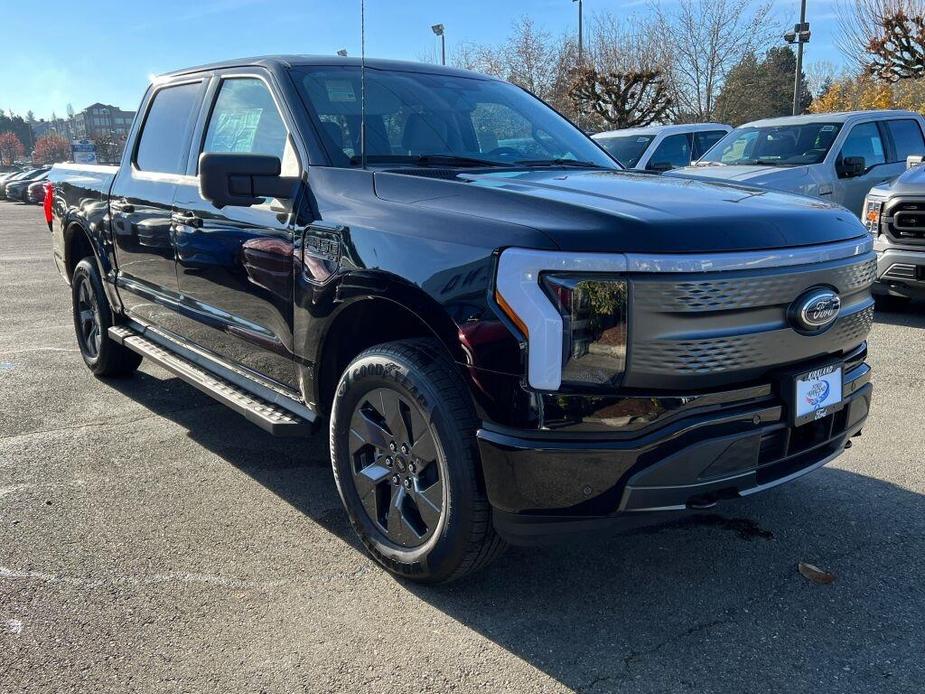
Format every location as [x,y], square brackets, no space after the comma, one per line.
[816,393]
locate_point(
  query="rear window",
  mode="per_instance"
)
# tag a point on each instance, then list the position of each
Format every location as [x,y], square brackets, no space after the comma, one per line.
[163,145]
[907,136]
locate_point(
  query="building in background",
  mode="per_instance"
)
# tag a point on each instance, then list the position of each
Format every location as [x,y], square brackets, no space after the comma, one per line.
[58,126]
[98,120]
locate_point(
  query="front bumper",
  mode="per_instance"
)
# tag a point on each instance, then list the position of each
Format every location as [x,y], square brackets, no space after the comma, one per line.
[900,272]
[543,485]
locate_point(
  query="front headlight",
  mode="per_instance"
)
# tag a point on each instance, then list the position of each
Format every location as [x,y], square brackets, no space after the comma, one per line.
[871,216]
[593,310]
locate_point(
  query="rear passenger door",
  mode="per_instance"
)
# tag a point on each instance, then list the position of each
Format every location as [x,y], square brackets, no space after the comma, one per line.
[704,140]
[235,265]
[142,198]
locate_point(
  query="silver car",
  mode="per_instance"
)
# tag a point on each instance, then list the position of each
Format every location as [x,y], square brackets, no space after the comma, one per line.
[834,156]
[661,147]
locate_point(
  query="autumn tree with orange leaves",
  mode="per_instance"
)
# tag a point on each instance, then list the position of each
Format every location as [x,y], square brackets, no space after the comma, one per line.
[51,149]
[10,148]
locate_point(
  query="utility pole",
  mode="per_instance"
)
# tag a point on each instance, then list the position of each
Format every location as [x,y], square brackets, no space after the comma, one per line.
[438,29]
[799,36]
[581,33]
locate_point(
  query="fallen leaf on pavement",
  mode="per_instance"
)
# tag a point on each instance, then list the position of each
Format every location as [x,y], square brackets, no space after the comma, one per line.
[815,574]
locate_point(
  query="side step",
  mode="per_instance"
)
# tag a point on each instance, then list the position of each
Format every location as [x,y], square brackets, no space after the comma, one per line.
[267,415]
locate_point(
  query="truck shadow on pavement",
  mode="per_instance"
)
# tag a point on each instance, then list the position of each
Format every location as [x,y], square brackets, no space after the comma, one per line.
[910,315]
[707,602]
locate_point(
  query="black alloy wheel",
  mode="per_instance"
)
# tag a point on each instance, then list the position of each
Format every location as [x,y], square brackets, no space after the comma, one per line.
[395,467]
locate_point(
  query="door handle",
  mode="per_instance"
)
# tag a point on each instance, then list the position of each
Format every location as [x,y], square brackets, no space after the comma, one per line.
[122,206]
[186,219]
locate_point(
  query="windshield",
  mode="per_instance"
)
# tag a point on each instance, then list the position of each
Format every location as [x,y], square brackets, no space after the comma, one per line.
[439,119]
[785,145]
[627,150]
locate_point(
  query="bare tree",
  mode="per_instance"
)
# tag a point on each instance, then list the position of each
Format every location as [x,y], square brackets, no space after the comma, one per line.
[621,99]
[703,40]
[898,50]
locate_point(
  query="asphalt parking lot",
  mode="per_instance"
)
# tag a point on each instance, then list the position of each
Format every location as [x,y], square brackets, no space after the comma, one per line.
[151,540]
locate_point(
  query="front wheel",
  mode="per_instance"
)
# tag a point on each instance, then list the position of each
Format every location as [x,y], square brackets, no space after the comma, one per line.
[92,320]
[406,463]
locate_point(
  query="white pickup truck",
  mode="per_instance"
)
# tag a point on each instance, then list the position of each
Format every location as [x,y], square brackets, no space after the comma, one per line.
[835,156]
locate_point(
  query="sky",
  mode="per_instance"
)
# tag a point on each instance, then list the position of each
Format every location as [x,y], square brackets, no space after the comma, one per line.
[58,52]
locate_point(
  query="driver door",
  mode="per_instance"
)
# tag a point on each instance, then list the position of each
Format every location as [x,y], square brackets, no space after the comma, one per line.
[865,140]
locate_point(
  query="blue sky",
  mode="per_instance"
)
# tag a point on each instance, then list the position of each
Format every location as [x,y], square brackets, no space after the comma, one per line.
[57,52]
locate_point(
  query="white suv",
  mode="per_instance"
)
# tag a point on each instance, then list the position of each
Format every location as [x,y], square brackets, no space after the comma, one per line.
[661,147]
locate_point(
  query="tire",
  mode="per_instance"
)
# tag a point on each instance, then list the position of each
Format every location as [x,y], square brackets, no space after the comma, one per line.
[92,320]
[409,392]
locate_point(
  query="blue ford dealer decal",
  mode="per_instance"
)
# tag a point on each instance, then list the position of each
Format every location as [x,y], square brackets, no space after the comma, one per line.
[815,311]
[817,394]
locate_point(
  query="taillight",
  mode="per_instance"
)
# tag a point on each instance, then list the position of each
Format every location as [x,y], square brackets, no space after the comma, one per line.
[48,202]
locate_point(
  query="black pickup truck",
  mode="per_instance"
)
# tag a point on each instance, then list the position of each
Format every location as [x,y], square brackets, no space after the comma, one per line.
[508,336]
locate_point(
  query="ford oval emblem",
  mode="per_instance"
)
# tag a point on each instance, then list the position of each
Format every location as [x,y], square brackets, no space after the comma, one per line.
[815,310]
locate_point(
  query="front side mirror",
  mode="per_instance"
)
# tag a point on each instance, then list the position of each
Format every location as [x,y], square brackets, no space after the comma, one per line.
[242,180]
[852,167]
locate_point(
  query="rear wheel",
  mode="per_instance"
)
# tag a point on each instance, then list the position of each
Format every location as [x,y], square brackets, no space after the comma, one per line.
[92,320]
[406,463]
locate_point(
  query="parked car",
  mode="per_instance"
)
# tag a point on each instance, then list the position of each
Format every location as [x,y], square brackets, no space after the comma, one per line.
[503,343]
[15,186]
[35,192]
[895,215]
[661,147]
[16,190]
[835,156]
[10,177]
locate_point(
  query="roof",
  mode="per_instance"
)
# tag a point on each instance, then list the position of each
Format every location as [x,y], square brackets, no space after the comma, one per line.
[837,117]
[288,61]
[656,129]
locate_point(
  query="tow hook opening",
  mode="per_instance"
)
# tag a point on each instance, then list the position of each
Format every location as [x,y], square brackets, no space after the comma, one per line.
[702,502]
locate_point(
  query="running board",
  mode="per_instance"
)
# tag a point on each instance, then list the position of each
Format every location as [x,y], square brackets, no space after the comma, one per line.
[267,415]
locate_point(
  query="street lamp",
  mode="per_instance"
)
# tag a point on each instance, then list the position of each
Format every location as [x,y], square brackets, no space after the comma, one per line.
[798,36]
[581,33]
[438,30]
[342,52]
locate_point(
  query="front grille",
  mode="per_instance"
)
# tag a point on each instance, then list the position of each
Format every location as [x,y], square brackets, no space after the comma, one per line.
[715,329]
[904,221]
[717,294]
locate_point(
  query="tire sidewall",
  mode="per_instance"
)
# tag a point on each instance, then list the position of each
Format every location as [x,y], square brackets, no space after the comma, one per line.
[444,550]
[87,272]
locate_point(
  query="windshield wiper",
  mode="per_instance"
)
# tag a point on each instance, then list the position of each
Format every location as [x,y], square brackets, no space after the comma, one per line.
[561,162]
[426,160]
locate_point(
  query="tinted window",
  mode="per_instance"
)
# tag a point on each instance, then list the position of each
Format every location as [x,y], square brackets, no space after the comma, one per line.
[410,115]
[245,120]
[706,139]
[674,151]
[162,146]
[864,141]
[627,150]
[907,136]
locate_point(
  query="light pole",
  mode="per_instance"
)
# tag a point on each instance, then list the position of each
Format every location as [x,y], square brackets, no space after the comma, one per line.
[581,33]
[799,36]
[438,30]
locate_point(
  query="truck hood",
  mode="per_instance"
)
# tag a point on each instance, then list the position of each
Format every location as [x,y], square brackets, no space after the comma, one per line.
[776,177]
[623,211]
[910,182]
